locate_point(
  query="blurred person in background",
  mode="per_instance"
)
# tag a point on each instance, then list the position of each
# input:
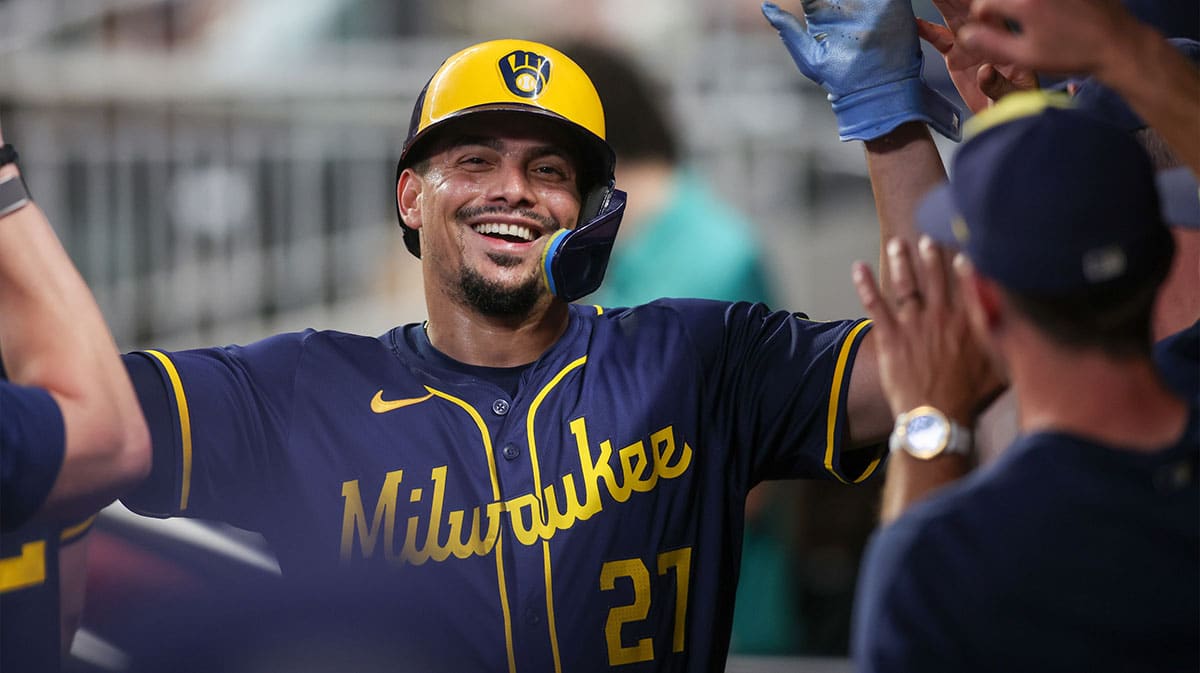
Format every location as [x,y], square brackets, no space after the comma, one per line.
[72,436]
[679,238]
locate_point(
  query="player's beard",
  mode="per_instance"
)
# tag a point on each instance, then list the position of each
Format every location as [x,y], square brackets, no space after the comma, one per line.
[493,299]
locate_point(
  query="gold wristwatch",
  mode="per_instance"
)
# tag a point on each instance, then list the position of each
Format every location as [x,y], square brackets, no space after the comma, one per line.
[926,433]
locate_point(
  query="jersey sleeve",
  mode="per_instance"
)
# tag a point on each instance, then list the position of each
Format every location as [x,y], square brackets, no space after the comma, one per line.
[32,445]
[218,418]
[780,385]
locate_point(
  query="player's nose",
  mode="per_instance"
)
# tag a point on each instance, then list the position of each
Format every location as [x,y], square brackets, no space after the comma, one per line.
[511,185]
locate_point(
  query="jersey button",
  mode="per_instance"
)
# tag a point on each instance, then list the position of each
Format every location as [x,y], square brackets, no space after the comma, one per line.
[510,452]
[500,407]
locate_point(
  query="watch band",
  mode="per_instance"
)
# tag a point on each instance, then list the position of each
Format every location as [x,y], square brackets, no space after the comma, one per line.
[960,441]
[8,154]
[13,196]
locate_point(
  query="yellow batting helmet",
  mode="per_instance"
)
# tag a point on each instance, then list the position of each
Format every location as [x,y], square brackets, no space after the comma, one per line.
[513,76]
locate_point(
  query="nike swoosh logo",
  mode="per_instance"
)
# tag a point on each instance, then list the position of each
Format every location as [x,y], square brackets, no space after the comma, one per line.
[382,406]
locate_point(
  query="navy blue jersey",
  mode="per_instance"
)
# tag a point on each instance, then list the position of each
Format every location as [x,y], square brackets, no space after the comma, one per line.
[32,443]
[30,631]
[593,519]
[1178,359]
[1063,555]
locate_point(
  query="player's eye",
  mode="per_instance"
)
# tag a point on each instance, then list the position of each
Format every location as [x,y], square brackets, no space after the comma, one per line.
[552,171]
[473,162]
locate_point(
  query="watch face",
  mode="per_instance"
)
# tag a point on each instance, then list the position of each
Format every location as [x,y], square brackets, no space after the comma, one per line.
[926,435]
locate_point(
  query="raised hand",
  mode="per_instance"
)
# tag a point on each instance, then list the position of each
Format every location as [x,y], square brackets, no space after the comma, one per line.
[927,353]
[979,82]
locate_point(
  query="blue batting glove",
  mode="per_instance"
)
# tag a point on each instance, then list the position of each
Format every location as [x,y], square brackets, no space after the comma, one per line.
[867,55]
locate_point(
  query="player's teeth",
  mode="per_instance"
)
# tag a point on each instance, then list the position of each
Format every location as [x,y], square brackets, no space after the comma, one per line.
[505,229]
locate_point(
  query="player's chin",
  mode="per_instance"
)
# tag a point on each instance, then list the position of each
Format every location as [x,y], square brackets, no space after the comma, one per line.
[504,294]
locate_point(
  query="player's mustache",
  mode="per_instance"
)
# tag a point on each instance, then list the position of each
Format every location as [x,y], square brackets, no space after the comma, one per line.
[548,224]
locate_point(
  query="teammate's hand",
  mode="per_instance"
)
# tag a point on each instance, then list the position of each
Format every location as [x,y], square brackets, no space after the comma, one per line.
[978,81]
[1061,36]
[927,353]
[866,54]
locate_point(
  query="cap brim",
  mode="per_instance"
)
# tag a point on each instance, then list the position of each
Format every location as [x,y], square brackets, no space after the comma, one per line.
[1179,198]
[936,215]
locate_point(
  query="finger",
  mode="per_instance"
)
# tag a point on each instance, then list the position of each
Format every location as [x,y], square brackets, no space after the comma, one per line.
[901,273]
[989,42]
[933,268]
[993,11]
[941,37]
[802,46]
[872,299]
[992,83]
[780,19]
[1023,79]
[953,12]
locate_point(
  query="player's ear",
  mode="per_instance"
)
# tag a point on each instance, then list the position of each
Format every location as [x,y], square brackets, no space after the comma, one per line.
[408,198]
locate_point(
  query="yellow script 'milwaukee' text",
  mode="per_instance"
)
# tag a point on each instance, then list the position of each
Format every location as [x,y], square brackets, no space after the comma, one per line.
[632,469]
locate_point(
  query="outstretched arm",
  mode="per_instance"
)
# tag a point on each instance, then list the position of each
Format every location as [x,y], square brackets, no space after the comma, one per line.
[52,336]
[904,165]
[1101,38]
[873,47]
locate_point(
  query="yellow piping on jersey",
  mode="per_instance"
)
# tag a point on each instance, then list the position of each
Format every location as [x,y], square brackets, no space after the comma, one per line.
[533,409]
[537,486]
[835,394]
[185,426]
[550,608]
[69,535]
[491,461]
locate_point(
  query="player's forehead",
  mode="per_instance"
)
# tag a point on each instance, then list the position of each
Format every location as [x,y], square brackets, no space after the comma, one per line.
[531,135]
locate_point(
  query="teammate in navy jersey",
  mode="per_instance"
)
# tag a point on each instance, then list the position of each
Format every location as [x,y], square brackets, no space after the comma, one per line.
[1079,547]
[71,434]
[531,485]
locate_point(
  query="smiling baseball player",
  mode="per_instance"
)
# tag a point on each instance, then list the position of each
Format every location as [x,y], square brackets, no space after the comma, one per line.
[532,485]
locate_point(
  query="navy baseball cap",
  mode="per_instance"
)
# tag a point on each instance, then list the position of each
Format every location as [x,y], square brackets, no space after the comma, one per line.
[1048,200]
